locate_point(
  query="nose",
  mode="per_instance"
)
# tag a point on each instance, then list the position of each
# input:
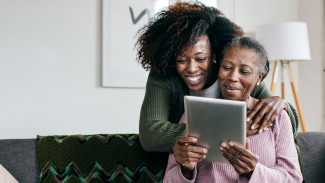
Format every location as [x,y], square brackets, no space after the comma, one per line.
[192,67]
[233,76]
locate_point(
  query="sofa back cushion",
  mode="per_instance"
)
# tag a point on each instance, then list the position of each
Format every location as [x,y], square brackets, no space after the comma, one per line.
[19,158]
[98,158]
[312,150]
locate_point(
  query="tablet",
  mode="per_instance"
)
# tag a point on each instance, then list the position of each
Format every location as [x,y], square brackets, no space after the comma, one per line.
[213,121]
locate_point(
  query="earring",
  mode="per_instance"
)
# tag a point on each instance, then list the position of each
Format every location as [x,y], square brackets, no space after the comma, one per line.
[215,61]
[257,84]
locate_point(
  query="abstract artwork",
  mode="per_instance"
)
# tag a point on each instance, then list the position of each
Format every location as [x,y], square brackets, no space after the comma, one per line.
[121,20]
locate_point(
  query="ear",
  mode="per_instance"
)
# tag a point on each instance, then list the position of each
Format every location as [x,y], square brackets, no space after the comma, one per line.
[214,59]
[259,80]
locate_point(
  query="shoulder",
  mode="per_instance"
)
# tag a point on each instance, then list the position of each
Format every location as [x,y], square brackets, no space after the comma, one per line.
[282,117]
[164,80]
[170,82]
[261,91]
[282,122]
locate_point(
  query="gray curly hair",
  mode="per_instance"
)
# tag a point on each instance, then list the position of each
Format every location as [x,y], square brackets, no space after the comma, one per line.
[251,44]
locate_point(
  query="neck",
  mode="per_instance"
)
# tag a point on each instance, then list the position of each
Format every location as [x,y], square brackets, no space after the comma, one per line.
[212,79]
[250,103]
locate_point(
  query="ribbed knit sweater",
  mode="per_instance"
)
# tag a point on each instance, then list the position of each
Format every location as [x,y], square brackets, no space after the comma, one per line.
[163,107]
[278,160]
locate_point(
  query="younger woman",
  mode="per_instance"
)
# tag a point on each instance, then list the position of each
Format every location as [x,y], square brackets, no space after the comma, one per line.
[182,48]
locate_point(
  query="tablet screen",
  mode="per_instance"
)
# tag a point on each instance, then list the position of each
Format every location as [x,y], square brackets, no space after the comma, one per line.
[214,121]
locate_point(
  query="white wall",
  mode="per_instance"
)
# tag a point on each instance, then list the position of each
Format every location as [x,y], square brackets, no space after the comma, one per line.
[50,72]
[50,67]
[311,81]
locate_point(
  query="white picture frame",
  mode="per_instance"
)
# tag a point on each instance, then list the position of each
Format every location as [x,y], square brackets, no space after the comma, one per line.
[121,20]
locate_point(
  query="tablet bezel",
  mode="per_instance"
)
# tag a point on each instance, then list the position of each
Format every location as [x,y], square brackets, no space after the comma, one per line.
[203,111]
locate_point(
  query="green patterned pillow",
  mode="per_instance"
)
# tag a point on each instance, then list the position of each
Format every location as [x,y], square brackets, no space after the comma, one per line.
[98,158]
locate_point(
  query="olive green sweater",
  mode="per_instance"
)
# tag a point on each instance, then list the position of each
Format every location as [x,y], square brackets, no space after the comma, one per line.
[163,107]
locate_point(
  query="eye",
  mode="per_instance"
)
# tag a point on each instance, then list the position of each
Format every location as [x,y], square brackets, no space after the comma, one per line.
[181,61]
[227,68]
[201,59]
[245,72]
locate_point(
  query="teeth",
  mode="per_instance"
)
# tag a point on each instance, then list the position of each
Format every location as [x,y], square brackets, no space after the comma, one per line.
[194,78]
[230,88]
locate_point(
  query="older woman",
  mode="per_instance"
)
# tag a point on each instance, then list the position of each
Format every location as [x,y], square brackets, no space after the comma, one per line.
[181,47]
[272,156]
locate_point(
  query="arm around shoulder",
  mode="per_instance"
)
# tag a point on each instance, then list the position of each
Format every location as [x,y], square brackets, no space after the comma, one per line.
[262,92]
[155,131]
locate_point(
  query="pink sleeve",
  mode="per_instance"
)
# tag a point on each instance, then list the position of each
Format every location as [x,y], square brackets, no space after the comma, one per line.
[5,176]
[174,174]
[287,167]
[183,119]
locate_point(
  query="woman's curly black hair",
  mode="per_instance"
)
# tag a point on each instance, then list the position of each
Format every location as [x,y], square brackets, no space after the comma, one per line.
[179,27]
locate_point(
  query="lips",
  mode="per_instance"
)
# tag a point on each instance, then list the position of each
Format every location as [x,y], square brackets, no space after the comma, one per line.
[231,89]
[194,78]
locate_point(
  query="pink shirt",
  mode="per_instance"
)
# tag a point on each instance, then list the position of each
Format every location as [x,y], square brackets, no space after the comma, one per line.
[5,176]
[278,159]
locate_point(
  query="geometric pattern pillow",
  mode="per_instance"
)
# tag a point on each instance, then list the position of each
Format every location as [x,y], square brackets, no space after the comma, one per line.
[98,158]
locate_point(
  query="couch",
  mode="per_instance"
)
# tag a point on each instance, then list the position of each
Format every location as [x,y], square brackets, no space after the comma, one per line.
[19,157]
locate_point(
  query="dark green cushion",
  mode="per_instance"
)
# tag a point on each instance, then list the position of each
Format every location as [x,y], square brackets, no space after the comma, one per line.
[98,158]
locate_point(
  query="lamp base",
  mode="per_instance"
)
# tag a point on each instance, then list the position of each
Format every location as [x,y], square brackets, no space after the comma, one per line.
[293,86]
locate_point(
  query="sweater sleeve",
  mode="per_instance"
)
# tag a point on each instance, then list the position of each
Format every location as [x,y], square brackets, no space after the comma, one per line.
[174,173]
[286,167]
[262,92]
[155,131]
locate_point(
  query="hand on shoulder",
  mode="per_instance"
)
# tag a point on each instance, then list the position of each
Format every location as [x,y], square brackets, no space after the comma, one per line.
[263,114]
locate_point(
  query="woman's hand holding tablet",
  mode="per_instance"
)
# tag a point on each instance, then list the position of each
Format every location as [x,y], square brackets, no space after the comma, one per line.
[187,155]
[241,158]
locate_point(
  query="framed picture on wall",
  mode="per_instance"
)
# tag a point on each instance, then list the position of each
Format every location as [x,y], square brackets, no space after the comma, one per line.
[121,20]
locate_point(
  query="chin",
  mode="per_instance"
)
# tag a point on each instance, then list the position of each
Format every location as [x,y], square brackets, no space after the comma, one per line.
[198,88]
[231,97]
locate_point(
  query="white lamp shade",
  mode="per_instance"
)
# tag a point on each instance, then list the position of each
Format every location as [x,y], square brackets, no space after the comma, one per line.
[285,41]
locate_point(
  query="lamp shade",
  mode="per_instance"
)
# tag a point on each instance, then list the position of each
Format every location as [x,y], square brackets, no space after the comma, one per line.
[285,41]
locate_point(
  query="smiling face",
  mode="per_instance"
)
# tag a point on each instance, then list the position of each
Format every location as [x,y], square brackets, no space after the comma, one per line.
[195,65]
[238,74]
